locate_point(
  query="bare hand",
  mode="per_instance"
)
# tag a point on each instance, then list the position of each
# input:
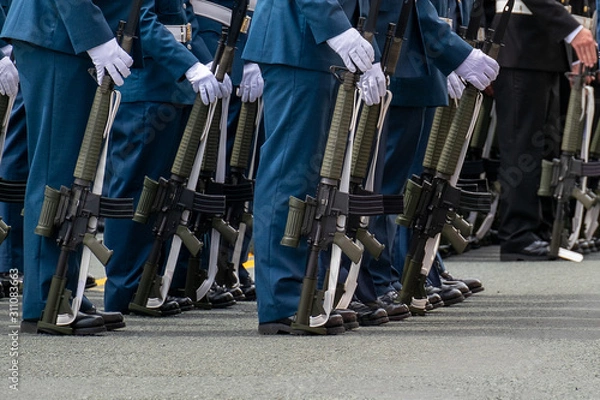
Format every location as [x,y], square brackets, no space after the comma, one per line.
[586,47]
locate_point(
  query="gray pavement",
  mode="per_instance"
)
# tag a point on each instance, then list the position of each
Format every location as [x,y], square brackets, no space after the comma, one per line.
[534,333]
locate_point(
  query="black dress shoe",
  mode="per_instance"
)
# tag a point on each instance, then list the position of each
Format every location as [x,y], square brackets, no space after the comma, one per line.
[390,302]
[280,327]
[86,324]
[112,319]
[448,294]
[536,251]
[434,300]
[474,285]
[83,324]
[184,303]
[219,297]
[333,326]
[349,317]
[369,315]
[237,293]
[249,292]
[460,285]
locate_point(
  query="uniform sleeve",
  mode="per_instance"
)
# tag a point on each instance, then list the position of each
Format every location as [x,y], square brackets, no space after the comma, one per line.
[444,47]
[326,18]
[85,24]
[552,17]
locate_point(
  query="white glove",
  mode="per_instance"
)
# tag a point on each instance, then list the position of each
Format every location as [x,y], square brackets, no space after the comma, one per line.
[225,87]
[113,58]
[9,77]
[478,69]
[455,86]
[372,85]
[203,82]
[252,84]
[355,51]
[7,50]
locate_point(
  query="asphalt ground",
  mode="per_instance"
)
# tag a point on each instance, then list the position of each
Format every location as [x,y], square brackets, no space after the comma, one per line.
[534,333]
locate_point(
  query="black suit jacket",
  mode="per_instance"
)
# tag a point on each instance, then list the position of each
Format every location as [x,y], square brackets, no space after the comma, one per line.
[537,41]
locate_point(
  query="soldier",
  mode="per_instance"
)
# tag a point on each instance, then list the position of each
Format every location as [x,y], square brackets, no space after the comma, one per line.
[294,44]
[419,86]
[527,106]
[62,41]
[146,133]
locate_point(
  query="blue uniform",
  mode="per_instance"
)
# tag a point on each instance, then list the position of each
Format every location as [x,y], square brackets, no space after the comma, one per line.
[146,135]
[430,52]
[50,39]
[288,41]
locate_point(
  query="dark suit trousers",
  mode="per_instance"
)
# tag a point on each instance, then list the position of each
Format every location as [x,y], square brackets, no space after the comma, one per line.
[527,105]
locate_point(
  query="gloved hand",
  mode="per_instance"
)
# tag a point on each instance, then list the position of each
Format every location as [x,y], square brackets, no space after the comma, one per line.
[372,85]
[455,86]
[226,87]
[9,77]
[478,69]
[252,84]
[354,50]
[113,58]
[204,83]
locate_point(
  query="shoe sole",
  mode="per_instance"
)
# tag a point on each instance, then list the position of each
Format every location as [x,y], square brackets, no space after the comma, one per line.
[274,329]
[437,304]
[477,289]
[455,300]
[522,257]
[76,332]
[116,325]
[399,317]
[223,305]
[373,322]
[351,325]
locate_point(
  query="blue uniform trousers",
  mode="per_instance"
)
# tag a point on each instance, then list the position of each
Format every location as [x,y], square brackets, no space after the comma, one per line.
[144,141]
[51,82]
[14,167]
[296,116]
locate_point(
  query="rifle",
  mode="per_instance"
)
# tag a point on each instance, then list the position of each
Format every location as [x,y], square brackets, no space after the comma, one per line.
[431,199]
[239,190]
[73,212]
[175,200]
[591,222]
[370,125]
[212,179]
[560,176]
[323,218]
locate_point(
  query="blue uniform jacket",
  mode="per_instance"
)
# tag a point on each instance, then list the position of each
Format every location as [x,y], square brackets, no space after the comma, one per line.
[294,33]
[165,59]
[429,53]
[58,25]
